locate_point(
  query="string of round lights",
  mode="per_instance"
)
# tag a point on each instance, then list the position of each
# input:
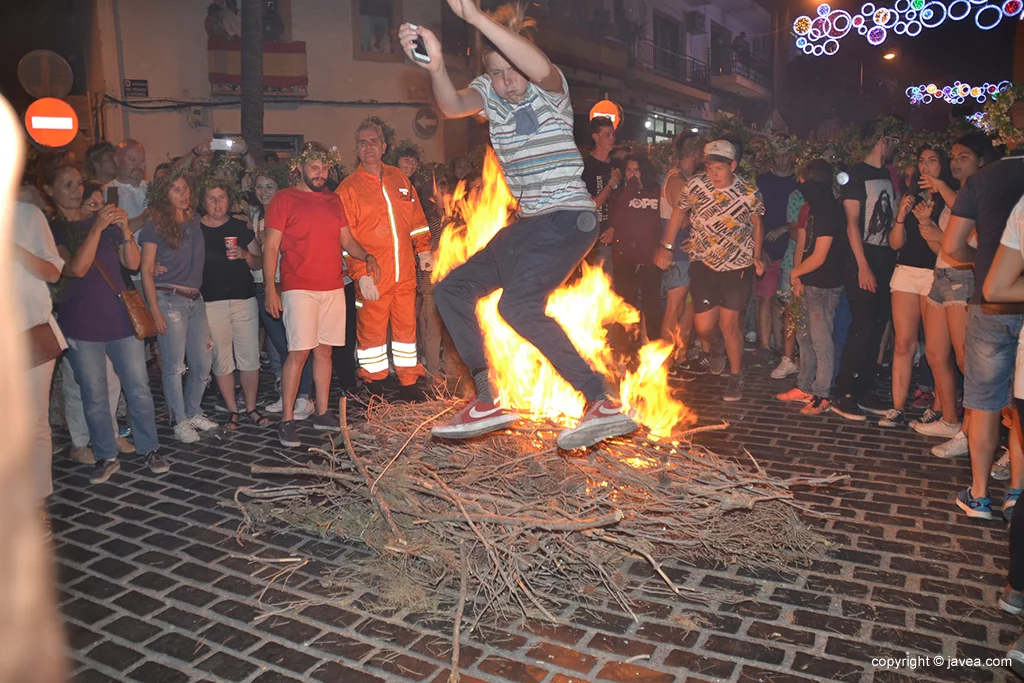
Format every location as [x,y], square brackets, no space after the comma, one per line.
[956,93]
[979,119]
[820,35]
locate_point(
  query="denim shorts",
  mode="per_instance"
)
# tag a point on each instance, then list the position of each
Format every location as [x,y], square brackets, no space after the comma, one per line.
[990,359]
[675,276]
[952,287]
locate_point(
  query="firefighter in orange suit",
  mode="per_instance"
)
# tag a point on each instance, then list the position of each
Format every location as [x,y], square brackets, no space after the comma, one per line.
[386,218]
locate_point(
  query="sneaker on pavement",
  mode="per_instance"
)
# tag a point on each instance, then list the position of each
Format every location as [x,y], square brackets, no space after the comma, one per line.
[124,446]
[185,432]
[83,455]
[303,409]
[1011,601]
[871,404]
[476,417]
[716,366]
[287,434]
[204,423]
[762,357]
[940,428]
[929,417]
[699,365]
[734,389]
[157,464]
[328,422]
[795,395]
[954,448]
[275,407]
[893,418]
[750,337]
[922,400]
[602,420]
[1001,468]
[846,406]
[980,508]
[104,470]
[785,368]
[1009,502]
[817,406]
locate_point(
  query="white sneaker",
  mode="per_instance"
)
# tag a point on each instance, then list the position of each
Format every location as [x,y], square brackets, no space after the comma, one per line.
[954,448]
[940,428]
[786,368]
[275,407]
[751,337]
[1001,468]
[185,432]
[304,408]
[204,423]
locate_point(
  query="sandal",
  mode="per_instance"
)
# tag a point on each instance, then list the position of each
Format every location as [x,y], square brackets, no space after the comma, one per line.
[233,422]
[254,416]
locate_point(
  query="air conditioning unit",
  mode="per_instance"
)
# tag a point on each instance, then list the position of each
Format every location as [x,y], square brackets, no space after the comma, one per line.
[696,23]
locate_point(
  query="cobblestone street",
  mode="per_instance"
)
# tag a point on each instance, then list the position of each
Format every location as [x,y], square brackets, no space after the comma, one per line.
[155,586]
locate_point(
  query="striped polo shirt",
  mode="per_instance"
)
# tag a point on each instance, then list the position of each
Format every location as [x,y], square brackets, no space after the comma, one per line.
[542,165]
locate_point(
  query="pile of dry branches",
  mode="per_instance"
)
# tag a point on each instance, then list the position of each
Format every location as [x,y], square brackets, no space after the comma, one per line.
[515,524]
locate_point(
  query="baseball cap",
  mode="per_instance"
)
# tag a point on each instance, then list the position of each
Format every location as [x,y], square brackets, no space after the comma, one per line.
[720,148]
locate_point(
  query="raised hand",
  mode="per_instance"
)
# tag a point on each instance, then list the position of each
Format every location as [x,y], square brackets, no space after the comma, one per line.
[464,9]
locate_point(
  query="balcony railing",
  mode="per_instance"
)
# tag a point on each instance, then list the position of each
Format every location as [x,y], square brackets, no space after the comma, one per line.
[664,62]
[741,63]
[284,68]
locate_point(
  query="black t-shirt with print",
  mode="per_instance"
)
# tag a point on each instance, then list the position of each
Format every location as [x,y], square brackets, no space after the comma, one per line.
[225,279]
[872,188]
[596,175]
[826,219]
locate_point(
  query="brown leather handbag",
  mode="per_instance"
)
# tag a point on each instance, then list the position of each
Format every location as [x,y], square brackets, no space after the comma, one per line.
[134,306]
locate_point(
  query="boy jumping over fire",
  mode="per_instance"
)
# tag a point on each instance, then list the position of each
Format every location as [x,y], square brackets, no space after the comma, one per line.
[526,101]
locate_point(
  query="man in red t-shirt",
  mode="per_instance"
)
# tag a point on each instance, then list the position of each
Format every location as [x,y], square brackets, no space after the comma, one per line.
[307,226]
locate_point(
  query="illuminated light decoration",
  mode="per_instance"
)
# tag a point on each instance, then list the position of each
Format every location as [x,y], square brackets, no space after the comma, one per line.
[800,42]
[956,93]
[979,119]
[991,10]
[831,47]
[905,17]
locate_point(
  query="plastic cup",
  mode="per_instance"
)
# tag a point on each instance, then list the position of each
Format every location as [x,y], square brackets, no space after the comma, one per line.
[229,243]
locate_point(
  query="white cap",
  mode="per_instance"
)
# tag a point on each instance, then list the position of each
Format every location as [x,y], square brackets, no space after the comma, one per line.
[720,148]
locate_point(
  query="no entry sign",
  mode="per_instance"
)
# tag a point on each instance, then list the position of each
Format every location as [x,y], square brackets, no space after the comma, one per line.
[51,122]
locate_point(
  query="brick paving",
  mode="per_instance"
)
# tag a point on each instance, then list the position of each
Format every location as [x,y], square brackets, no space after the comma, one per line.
[153,589]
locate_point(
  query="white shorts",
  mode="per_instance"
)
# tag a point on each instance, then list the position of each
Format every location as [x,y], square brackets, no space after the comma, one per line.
[912,280]
[314,318]
[235,328]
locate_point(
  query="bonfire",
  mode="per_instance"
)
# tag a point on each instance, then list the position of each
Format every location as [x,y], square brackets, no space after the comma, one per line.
[507,521]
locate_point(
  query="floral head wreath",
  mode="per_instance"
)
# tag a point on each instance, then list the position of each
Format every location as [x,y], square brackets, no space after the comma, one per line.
[277,171]
[314,151]
[998,116]
[222,166]
[209,182]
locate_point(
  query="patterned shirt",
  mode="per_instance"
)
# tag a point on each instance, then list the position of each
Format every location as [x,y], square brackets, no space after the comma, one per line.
[534,142]
[722,232]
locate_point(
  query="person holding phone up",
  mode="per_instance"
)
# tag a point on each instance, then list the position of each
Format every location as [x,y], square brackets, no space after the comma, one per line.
[526,101]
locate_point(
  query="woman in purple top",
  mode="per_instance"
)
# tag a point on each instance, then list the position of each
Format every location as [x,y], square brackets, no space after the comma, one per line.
[94,320]
[172,237]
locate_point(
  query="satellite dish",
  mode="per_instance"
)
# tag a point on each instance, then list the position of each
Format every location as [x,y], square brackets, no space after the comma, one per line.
[44,73]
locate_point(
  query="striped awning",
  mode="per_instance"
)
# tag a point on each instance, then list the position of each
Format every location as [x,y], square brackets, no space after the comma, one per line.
[284,68]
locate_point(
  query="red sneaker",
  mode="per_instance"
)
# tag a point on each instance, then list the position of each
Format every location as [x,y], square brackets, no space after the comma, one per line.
[602,420]
[475,418]
[795,395]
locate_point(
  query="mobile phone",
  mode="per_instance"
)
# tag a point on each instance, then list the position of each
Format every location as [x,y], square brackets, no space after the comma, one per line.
[112,197]
[221,144]
[419,48]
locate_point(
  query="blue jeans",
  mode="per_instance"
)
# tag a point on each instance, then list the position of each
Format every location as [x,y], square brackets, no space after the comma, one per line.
[817,348]
[990,358]
[529,259]
[841,328]
[128,356]
[276,335]
[187,336]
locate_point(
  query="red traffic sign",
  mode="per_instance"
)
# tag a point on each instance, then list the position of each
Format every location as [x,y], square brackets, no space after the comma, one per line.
[51,122]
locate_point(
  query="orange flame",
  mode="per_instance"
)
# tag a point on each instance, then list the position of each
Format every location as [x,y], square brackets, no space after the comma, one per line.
[525,379]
